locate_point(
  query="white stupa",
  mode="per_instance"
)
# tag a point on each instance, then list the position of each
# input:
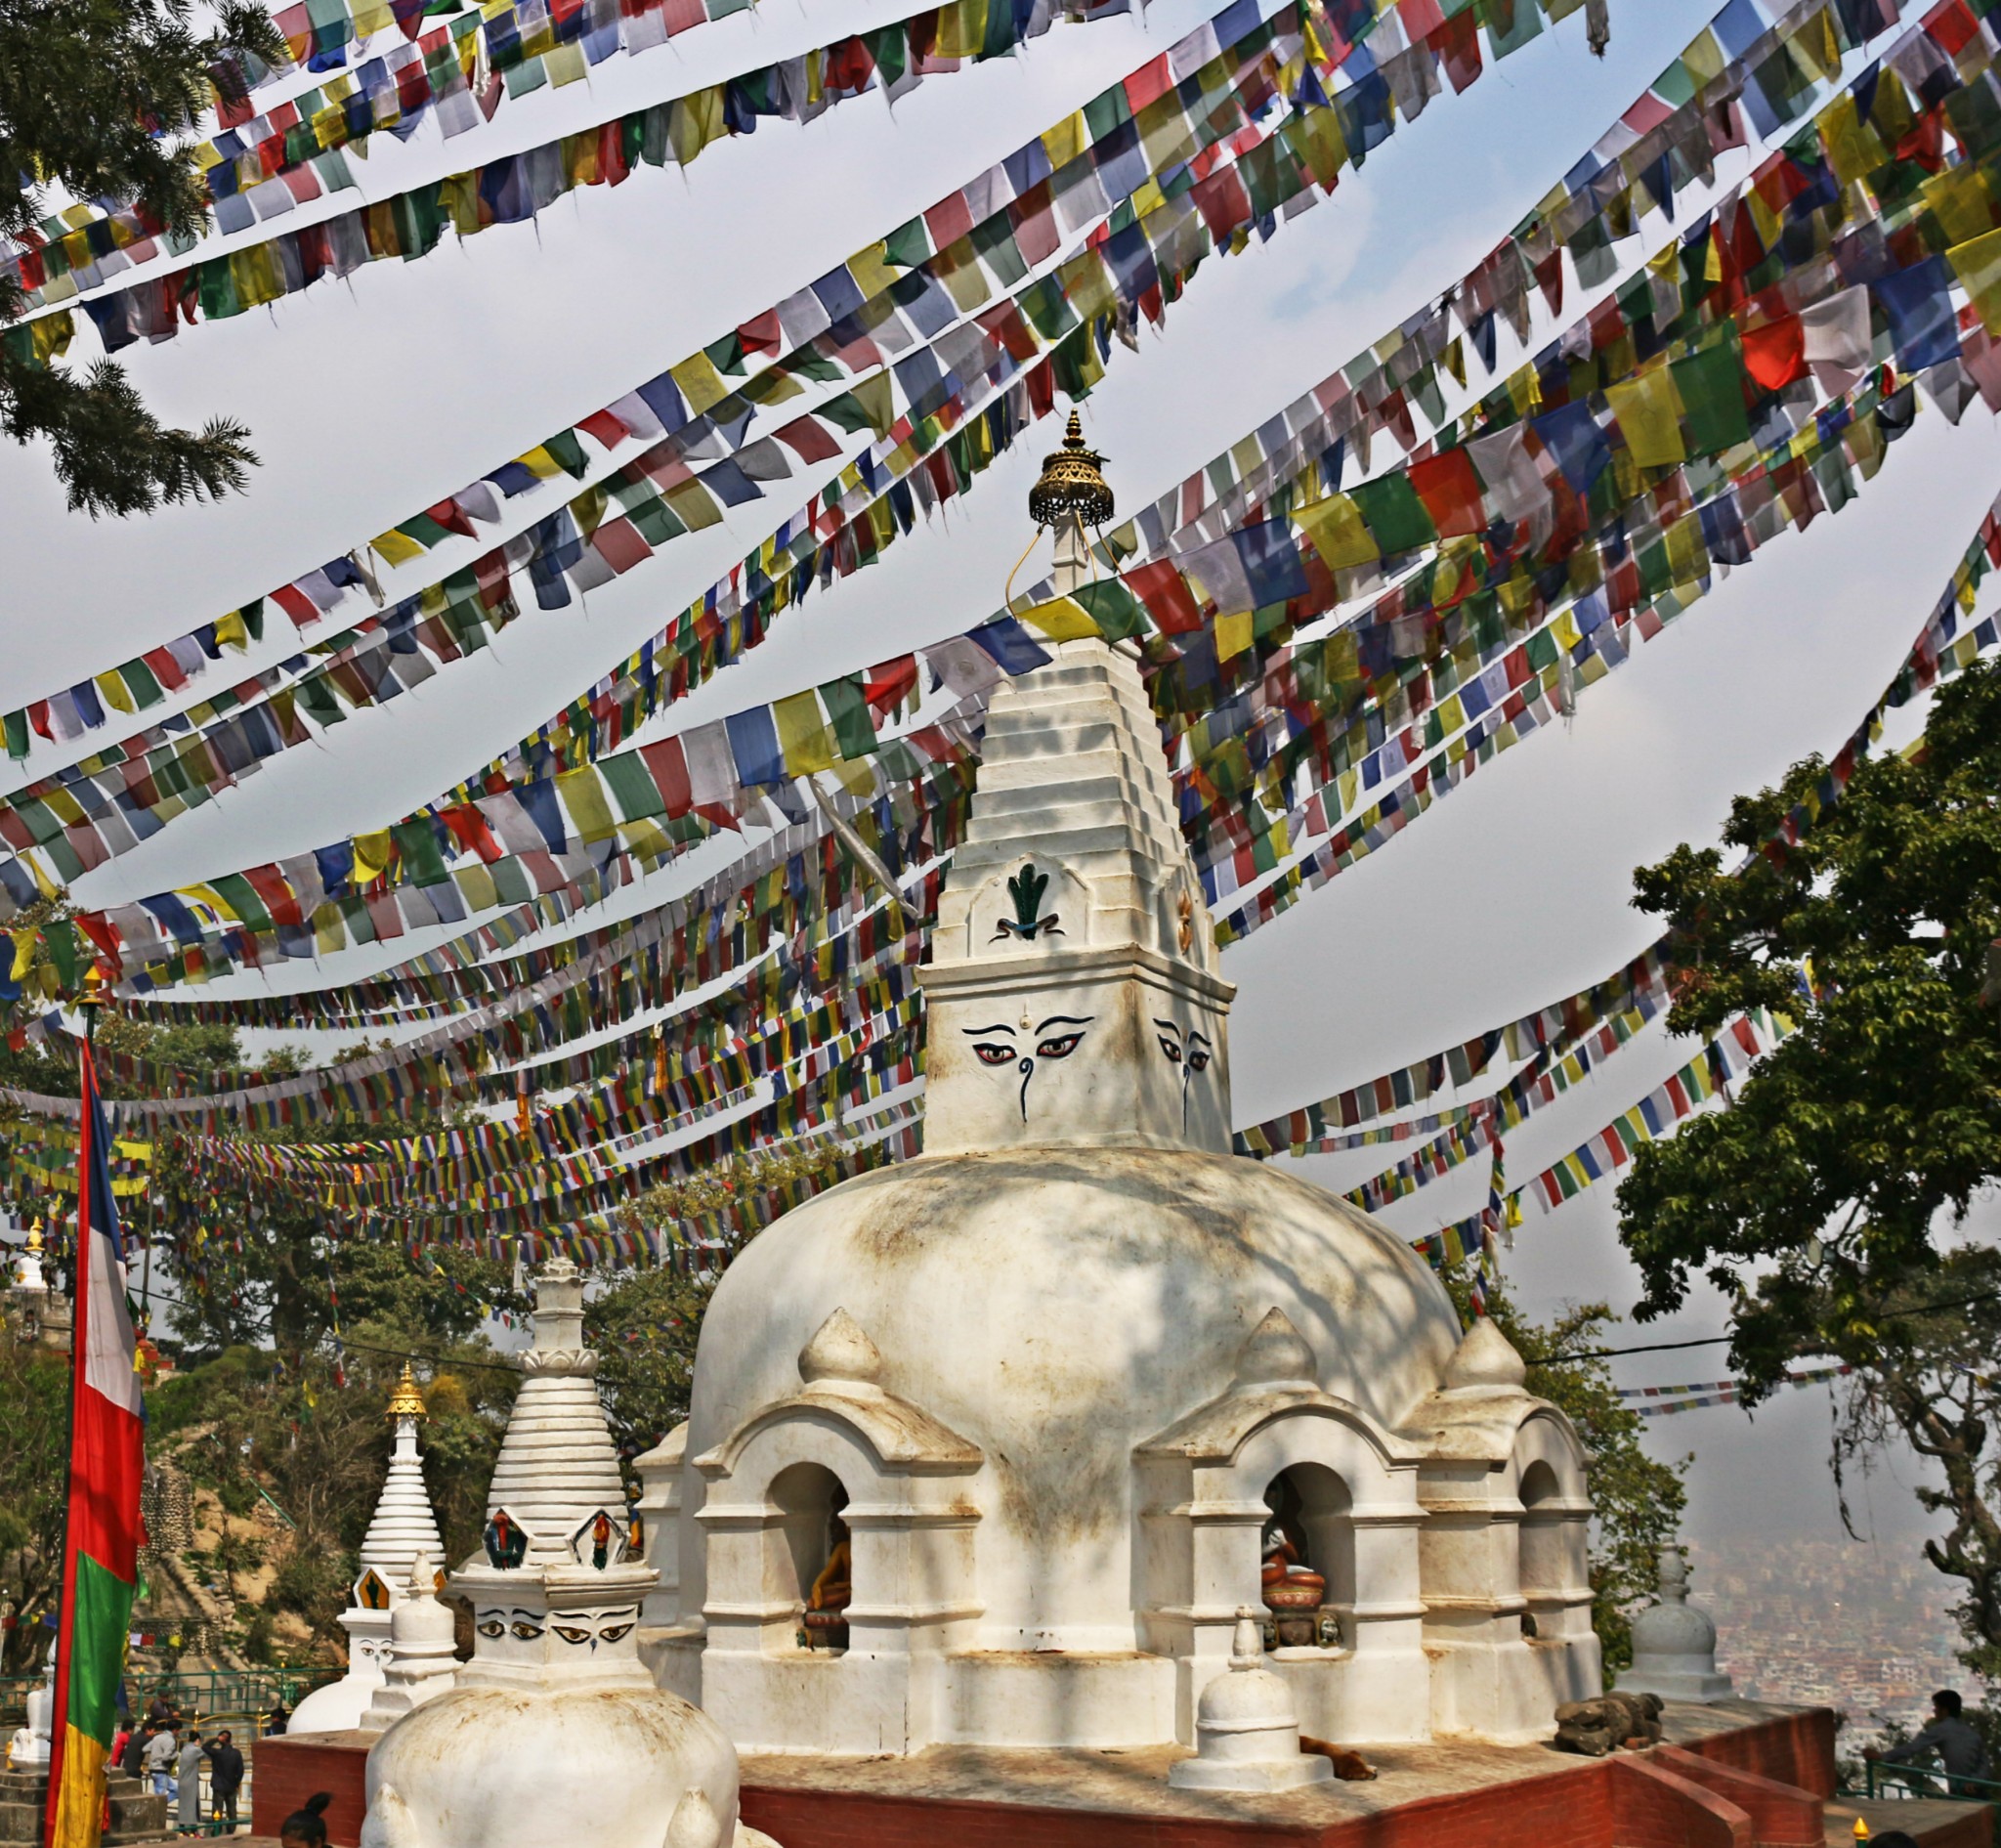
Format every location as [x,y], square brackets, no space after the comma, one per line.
[403,1529]
[992,1447]
[1674,1642]
[554,1733]
[423,1650]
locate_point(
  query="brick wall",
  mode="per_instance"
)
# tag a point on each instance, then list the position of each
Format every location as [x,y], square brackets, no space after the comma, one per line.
[1653,1807]
[1783,1814]
[290,1770]
[1795,1748]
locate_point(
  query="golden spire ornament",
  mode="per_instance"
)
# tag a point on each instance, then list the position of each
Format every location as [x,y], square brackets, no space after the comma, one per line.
[1072,484]
[407,1402]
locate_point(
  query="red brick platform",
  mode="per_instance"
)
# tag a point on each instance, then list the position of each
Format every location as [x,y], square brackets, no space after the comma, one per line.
[1735,1775]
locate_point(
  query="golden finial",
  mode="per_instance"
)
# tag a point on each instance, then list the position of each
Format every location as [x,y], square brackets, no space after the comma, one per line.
[34,1239]
[407,1402]
[1070,483]
[93,995]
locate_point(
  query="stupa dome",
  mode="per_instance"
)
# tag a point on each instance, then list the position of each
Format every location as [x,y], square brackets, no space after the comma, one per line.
[1169,1261]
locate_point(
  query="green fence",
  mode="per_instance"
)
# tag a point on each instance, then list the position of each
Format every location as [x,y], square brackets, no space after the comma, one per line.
[236,1694]
[1894,1780]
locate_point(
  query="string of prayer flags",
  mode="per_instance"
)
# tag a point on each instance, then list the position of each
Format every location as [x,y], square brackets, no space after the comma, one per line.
[1640,987]
[1721,1392]
[1704,1077]
[263,168]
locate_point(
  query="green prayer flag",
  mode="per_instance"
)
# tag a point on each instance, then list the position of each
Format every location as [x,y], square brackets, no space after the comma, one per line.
[416,842]
[1712,388]
[1395,515]
[847,710]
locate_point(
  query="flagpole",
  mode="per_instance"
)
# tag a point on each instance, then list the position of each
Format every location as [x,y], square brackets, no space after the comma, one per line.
[89,1001]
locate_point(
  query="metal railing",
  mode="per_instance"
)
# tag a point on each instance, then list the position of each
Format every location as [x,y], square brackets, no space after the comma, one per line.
[203,1692]
[1880,1779]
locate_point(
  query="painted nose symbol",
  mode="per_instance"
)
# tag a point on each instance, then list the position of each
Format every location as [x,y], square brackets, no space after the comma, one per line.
[1026,1065]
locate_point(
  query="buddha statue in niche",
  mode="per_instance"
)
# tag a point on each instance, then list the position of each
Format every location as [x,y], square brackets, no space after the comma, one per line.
[825,1617]
[1293,1590]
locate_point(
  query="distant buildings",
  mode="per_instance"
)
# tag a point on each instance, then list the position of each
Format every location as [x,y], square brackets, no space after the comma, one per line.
[1856,1627]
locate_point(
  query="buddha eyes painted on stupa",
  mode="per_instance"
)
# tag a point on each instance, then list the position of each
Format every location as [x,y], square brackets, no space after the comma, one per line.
[494,1624]
[1189,1048]
[588,1628]
[1000,1045]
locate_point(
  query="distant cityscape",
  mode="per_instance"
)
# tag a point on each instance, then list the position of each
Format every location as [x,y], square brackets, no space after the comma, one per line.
[1865,1629]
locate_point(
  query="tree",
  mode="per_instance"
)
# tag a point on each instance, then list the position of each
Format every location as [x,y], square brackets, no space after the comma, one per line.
[1826,1200]
[1637,1501]
[98,98]
[35,1441]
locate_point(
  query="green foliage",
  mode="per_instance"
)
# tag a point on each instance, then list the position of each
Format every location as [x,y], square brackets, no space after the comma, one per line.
[34,1435]
[645,1327]
[1822,1202]
[1639,1501]
[99,97]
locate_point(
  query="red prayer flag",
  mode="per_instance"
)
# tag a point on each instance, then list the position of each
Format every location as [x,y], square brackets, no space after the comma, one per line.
[1775,354]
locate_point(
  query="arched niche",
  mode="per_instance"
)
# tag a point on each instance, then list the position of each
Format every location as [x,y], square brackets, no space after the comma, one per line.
[1309,1536]
[809,1556]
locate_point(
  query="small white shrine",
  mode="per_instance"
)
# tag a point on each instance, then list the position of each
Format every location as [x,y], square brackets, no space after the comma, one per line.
[403,1529]
[554,1731]
[992,1447]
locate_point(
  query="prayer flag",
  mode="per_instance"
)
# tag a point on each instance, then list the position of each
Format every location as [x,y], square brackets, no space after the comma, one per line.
[102,1526]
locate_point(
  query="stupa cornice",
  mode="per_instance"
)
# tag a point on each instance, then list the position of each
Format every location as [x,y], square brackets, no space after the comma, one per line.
[1024,974]
[901,1437]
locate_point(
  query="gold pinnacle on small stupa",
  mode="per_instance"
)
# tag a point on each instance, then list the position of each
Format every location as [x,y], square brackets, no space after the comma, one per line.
[407,1402]
[1072,484]
[34,1238]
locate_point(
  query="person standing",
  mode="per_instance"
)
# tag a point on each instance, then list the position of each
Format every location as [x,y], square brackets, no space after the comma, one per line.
[133,1761]
[190,1813]
[225,1777]
[160,1752]
[121,1738]
[278,1719]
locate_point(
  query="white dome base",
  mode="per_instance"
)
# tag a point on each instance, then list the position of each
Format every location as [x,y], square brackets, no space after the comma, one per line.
[1264,1773]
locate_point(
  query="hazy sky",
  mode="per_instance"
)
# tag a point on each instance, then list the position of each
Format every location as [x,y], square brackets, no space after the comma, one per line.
[374,397]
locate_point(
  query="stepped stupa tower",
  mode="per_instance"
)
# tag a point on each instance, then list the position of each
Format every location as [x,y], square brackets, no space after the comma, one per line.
[992,1446]
[403,1529]
[555,1731]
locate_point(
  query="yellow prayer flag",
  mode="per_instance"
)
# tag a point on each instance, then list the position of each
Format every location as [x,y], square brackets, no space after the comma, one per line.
[398,548]
[870,270]
[230,631]
[1853,150]
[1335,529]
[1067,140]
[583,795]
[1649,414]
[692,122]
[702,385]
[1062,619]
[1977,265]
[1233,634]
[115,691]
[371,854]
[1961,202]
[802,735]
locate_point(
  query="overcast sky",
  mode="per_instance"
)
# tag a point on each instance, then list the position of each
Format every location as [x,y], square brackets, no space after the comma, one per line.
[372,398]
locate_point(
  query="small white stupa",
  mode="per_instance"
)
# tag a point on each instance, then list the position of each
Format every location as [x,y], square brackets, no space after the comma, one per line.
[1247,1733]
[990,1447]
[555,1732]
[403,1529]
[29,1747]
[1673,1643]
[423,1650]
